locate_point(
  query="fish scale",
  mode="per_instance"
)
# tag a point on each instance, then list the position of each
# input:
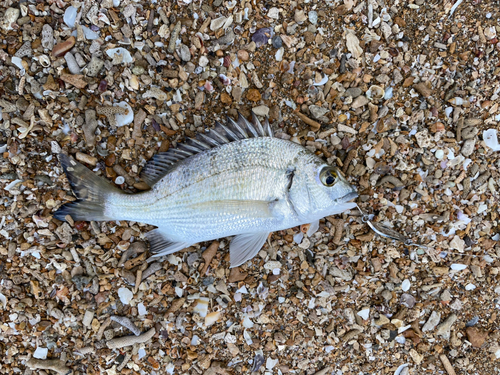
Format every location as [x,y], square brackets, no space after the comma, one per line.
[237,180]
[247,170]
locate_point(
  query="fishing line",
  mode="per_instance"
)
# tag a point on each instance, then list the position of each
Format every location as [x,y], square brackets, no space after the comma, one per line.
[385,231]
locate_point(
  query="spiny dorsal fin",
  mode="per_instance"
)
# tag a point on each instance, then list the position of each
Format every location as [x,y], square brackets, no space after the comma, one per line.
[162,163]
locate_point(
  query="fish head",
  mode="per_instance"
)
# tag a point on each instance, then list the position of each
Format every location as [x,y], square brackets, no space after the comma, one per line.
[334,185]
[321,190]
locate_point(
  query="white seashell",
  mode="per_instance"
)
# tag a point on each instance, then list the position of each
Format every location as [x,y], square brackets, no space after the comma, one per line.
[126,119]
[70,16]
[405,286]
[12,185]
[40,353]
[279,54]
[231,4]
[388,93]
[142,353]
[141,309]
[458,267]
[89,34]
[490,138]
[470,287]
[17,62]
[364,314]
[456,101]
[323,81]
[195,340]
[212,318]
[217,23]
[179,291]
[44,61]
[247,337]
[3,301]
[201,307]
[126,58]
[270,363]
[400,369]
[400,339]
[247,323]
[125,295]
[375,93]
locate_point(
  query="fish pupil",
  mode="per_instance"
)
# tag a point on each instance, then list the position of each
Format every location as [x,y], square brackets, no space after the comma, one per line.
[330,180]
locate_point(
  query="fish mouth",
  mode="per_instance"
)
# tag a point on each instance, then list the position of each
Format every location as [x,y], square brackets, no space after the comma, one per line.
[349,197]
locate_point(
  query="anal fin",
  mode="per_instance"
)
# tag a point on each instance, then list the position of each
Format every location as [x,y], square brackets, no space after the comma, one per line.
[161,245]
[313,228]
[245,246]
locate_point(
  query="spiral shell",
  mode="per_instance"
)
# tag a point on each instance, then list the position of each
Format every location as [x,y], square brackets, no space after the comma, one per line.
[44,61]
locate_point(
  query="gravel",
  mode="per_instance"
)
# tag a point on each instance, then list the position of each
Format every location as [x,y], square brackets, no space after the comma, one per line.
[401,96]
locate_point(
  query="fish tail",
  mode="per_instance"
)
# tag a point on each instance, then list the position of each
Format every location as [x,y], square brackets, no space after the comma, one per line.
[91,190]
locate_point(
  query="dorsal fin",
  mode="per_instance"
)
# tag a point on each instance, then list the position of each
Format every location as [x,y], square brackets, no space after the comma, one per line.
[162,163]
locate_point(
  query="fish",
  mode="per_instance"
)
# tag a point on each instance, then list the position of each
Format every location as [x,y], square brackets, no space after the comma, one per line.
[237,180]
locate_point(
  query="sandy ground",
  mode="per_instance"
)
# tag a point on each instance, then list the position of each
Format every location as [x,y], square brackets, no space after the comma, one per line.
[403,96]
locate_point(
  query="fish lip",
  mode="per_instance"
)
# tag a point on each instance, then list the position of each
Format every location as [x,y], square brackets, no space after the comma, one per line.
[348,197]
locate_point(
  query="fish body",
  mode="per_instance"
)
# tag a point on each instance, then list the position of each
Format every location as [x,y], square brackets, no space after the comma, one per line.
[239,182]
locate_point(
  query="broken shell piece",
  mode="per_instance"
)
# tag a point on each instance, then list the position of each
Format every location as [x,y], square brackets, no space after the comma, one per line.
[155,92]
[490,138]
[201,307]
[375,93]
[247,323]
[119,55]
[11,15]
[110,113]
[89,33]
[47,37]
[457,101]
[70,16]
[323,81]
[125,295]
[44,61]
[124,118]
[212,318]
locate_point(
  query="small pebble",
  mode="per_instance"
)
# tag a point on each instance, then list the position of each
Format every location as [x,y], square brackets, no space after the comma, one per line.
[313,17]
[125,295]
[277,42]
[184,53]
[432,322]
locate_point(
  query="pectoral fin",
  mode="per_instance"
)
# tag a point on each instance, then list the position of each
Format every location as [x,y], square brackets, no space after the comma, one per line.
[245,246]
[313,228]
[248,208]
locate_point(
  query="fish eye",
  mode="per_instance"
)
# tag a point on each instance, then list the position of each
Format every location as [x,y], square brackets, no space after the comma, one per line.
[328,176]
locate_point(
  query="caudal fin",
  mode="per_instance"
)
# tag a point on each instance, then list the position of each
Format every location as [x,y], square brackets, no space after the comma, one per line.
[90,189]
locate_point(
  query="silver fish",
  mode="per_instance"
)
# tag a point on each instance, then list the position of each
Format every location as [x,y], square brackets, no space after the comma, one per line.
[237,180]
